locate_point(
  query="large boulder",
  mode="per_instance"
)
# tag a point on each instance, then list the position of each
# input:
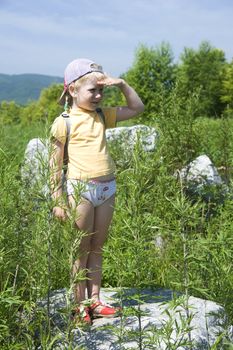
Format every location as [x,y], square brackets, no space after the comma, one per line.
[129,136]
[160,316]
[202,172]
[35,167]
[201,178]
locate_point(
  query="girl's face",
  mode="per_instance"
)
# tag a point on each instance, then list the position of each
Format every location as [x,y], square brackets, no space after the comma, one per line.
[88,95]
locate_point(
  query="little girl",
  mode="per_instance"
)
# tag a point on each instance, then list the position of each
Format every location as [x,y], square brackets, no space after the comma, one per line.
[90,169]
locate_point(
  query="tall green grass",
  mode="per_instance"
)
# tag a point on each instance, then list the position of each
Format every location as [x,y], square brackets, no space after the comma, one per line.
[159,237]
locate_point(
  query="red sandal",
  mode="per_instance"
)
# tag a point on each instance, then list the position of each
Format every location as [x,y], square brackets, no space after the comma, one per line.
[81,315]
[98,309]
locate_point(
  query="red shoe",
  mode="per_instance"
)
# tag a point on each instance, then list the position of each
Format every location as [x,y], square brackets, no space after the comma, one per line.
[81,315]
[99,309]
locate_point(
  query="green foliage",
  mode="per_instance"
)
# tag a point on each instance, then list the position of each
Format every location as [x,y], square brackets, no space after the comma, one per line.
[46,109]
[133,216]
[48,102]
[35,251]
[113,97]
[176,122]
[9,113]
[203,69]
[215,140]
[159,237]
[152,71]
[227,87]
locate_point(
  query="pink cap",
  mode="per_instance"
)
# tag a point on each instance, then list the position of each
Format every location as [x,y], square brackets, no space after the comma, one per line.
[77,69]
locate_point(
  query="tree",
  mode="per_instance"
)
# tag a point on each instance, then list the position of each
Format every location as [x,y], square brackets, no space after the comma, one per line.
[46,108]
[9,112]
[202,70]
[153,70]
[49,101]
[112,97]
[227,87]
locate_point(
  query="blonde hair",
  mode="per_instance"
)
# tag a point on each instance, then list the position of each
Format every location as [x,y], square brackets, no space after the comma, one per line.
[89,76]
[77,83]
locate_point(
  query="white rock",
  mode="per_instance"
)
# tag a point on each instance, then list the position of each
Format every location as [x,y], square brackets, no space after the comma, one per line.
[128,136]
[201,171]
[35,168]
[207,321]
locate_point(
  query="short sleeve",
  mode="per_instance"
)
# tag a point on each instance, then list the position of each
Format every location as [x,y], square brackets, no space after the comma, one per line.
[58,130]
[110,117]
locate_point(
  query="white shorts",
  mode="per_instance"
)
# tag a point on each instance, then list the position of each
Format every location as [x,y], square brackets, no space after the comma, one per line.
[96,192]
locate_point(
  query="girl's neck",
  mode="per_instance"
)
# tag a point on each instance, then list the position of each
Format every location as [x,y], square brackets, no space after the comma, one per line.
[77,109]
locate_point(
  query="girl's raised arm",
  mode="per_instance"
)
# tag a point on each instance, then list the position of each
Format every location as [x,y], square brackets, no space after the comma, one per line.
[134,103]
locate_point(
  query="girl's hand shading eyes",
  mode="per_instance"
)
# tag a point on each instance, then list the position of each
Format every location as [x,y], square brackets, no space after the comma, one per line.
[109,81]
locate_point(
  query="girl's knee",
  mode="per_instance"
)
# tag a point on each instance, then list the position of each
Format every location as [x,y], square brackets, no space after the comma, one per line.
[84,249]
[96,249]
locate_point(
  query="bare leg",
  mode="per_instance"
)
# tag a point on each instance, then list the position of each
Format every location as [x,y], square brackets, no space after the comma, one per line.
[102,220]
[85,222]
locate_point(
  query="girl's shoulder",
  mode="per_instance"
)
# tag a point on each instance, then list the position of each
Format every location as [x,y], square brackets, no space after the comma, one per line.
[61,118]
[59,129]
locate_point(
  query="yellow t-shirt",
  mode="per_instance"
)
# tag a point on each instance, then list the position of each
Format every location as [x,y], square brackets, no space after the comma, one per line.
[87,148]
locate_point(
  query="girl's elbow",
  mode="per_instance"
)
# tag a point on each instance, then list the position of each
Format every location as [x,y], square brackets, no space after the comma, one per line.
[141,108]
[138,109]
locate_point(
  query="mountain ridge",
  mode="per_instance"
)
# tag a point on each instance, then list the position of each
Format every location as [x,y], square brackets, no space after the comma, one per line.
[26,87]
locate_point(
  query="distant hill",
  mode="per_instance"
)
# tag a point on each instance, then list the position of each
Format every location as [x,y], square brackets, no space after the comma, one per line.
[23,88]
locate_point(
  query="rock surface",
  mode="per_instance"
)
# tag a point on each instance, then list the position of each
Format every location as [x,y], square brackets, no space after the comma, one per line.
[202,171]
[35,168]
[161,313]
[129,136]
[201,178]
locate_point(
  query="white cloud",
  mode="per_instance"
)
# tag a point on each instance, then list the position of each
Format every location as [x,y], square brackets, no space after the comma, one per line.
[44,36]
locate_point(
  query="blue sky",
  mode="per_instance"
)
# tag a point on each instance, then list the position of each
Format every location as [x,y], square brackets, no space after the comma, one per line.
[44,36]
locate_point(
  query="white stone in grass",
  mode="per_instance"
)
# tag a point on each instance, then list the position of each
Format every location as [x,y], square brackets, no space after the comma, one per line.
[201,171]
[207,320]
[35,167]
[129,136]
